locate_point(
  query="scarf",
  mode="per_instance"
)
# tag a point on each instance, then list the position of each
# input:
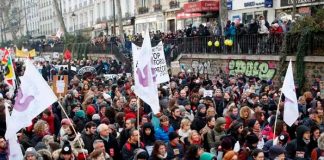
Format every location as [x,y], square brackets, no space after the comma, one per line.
[196,142]
[165,128]
[162,156]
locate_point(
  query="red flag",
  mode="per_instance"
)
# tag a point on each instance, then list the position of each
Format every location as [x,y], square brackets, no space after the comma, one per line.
[5,56]
[67,54]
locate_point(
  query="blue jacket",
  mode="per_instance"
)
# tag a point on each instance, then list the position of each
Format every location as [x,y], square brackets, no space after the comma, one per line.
[160,134]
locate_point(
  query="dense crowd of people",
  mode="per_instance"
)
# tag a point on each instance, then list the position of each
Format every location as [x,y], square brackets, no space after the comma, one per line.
[236,122]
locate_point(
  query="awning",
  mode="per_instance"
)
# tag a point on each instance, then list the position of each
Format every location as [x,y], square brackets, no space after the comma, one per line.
[201,6]
[183,15]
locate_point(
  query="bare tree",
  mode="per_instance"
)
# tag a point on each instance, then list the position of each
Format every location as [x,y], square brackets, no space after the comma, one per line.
[223,14]
[120,22]
[60,16]
[294,10]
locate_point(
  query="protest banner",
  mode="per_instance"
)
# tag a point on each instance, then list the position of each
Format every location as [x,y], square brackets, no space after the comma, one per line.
[160,69]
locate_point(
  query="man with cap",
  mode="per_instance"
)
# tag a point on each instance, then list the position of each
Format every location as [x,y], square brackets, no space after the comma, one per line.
[31,154]
[298,148]
[174,148]
[277,152]
[281,140]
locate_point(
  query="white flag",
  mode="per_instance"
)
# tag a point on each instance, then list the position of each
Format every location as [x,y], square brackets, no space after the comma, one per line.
[291,105]
[15,152]
[33,97]
[145,88]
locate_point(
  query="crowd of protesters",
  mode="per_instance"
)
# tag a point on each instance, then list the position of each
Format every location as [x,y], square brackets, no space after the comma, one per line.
[236,122]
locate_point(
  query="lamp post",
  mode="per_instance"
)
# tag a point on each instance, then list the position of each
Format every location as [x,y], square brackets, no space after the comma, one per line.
[114,30]
[73,17]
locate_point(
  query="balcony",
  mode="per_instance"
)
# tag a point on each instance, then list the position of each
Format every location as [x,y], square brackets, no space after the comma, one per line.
[142,10]
[174,4]
[157,7]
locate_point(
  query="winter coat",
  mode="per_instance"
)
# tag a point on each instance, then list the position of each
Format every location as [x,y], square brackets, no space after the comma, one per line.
[175,152]
[111,147]
[148,140]
[88,141]
[175,123]
[198,123]
[214,136]
[162,135]
[128,150]
[298,145]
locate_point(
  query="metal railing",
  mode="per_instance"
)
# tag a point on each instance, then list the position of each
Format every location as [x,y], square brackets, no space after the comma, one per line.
[269,44]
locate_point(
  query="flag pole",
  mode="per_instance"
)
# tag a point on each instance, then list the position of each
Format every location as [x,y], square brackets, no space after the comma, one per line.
[72,127]
[277,112]
[138,127]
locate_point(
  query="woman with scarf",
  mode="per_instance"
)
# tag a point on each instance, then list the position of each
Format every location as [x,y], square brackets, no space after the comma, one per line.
[254,128]
[231,115]
[159,151]
[194,138]
[162,132]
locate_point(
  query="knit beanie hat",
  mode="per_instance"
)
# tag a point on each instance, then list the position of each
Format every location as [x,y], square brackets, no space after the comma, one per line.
[173,135]
[200,106]
[66,149]
[91,110]
[66,121]
[95,117]
[31,151]
[80,114]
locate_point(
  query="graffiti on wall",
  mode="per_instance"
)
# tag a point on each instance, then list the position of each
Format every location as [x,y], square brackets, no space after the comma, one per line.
[263,70]
[201,67]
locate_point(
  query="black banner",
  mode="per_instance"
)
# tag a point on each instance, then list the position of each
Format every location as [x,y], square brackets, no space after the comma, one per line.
[290,2]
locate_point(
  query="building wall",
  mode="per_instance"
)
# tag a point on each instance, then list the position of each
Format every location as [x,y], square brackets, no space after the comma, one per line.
[251,65]
[30,9]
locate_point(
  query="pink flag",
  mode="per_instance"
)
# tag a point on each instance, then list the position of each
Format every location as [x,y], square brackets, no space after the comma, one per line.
[291,105]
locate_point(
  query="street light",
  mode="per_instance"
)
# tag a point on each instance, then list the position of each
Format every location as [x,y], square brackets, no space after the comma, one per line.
[73,17]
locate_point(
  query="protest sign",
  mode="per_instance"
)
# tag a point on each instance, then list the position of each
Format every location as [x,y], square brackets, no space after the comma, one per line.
[60,85]
[160,69]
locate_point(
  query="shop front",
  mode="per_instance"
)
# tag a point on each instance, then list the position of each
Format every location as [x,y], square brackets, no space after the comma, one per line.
[196,13]
[303,8]
[246,10]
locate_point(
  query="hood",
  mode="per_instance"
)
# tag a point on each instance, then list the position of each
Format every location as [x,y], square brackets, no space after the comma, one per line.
[300,131]
[148,125]
[243,109]
[219,121]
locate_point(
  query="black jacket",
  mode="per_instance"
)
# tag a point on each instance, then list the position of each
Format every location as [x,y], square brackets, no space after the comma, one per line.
[111,147]
[298,146]
[88,141]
